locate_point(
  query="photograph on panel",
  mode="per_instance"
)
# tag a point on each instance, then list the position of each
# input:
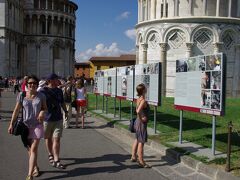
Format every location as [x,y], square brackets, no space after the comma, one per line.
[206,80]
[206,99]
[202,63]
[216,80]
[216,100]
[181,66]
[213,62]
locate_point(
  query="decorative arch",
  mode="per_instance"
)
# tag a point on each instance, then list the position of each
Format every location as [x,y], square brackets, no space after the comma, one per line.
[174,28]
[229,37]
[212,29]
[150,31]
[176,38]
[139,38]
[203,38]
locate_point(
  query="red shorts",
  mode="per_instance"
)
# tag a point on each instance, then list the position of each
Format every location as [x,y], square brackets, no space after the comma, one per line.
[81,102]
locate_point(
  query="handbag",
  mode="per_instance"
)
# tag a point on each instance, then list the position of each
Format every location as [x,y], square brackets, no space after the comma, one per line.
[132,125]
[19,126]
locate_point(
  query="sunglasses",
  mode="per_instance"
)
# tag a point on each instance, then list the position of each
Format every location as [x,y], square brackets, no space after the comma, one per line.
[34,83]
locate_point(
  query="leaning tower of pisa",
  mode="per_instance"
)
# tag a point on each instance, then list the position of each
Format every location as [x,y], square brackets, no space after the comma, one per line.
[49,26]
[171,29]
[37,37]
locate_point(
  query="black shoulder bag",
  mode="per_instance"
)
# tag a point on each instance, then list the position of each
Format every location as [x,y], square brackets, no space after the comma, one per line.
[19,126]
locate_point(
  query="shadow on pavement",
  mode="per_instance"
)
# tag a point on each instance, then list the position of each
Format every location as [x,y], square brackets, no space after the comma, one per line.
[119,162]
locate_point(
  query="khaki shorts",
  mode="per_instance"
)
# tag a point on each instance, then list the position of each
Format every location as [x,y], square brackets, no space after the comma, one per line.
[53,129]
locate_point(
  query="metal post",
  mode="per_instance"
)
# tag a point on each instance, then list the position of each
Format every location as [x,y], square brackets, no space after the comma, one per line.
[155,119]
[103,104]
[180,127]
[131,109]
[120,106]
[213,134]
[228,167]
[115,104]
[106,105]
[96,102]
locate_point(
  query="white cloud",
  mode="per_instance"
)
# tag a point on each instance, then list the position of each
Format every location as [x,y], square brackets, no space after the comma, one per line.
[131,33]
[102,50]
[124,15]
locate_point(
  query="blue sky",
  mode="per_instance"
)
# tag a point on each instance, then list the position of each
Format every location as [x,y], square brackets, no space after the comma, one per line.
[105,28]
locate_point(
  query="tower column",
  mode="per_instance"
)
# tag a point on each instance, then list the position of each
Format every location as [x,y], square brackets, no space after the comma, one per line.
[153,9]
[164,8]
[204,7]
[218,8]
[137,54]
[163,56]
[145,47]
[189,49]
[217,47]
[158,9]
[190,7]
[229,8]
[176,7]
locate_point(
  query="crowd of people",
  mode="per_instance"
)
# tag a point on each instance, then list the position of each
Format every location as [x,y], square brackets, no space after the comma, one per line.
[46,107]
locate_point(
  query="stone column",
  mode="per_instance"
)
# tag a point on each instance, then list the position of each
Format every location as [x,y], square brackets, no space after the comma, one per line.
[189,49]
[53,5]
[39,4]
[218,8]
[64,27]
[30,24]
[51,63]
[229,8]
[46,4]
[147,10]
[217,47]
[52,25]
[38,24]
[137,54]
[163,60]
[204,7]
[176,7]
[144,47]
[153,9]
[46,18]
[38,59]
[139,10]
[190,7]
[158,9]
[164,8]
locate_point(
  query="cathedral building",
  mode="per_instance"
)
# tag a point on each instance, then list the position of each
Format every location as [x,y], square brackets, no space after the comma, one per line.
[168,30]
[37,37]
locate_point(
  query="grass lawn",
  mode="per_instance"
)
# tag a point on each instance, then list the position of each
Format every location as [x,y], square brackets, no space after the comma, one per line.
[197,128]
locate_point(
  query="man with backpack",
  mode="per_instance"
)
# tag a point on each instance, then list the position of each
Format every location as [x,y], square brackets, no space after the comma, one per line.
[67,90]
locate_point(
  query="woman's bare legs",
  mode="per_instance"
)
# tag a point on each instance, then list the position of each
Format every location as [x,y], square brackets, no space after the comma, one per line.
[33,151]
[134,150]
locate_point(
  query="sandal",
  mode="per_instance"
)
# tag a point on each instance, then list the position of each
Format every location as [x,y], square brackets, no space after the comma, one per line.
[29,177]
[51,159]
[144,165]
[58,165]
[133,159]
[36,172]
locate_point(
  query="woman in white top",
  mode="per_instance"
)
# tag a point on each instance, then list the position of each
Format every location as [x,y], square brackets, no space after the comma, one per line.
[80,101]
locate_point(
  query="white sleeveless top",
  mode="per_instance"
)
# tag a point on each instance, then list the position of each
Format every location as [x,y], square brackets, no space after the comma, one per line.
[80,94]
